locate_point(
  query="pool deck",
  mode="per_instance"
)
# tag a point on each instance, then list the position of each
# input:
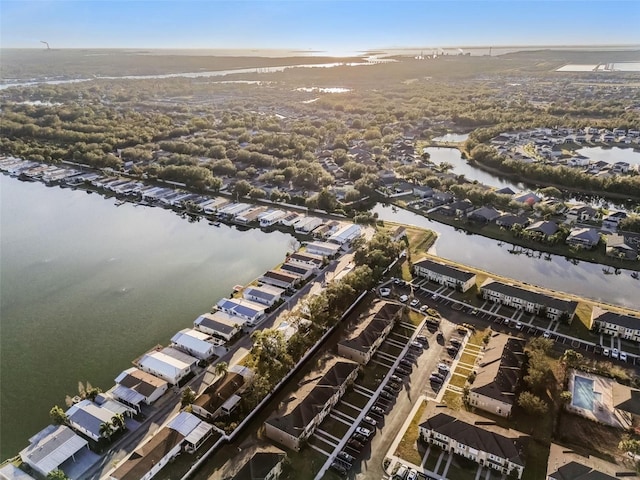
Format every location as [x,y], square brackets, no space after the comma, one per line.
[603,410]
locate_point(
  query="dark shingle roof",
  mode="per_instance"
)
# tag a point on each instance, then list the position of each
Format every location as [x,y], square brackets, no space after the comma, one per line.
[218,393]
[295,420]
[444,269]
[577,471]
[626,321]
[365,337]
[500,368]
[531,296]
[475,437]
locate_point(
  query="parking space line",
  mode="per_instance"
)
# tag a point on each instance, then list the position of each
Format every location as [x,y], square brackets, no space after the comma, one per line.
[386,365]
[410,326]
[319,449]
[351,405]
[386,356]
[328,435]
[341,420]
[371,392]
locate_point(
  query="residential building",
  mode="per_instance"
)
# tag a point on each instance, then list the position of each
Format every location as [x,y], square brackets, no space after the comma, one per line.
[324,249]
[484,215]
[86,417]
[279,279]
[52,448]
[133,387]
[363,342]
[567,464]
[303,271]
[10,472]
[194,343]
[522,299]
[445,274]
[306,259]
[271,218]
[210,403]
[613,219]
[250,215]
[545,228]
[313,401]
[581,213]
[398,234]
[251,313]
[617,246]
[168,364]
[499,371]
[584,238]
[262,465]
[508,220]
[220,325]
[264,294]
[469,436]
[346,234]
[615,324]
[307,224]
[194,430]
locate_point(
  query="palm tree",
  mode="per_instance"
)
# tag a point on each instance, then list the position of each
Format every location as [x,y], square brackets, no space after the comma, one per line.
[118,422]
[221,368]
[106,430]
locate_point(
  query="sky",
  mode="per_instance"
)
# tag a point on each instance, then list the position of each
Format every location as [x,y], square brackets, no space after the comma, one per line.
[332,26]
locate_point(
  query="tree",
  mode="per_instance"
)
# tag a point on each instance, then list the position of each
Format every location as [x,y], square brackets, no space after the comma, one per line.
[118,422]
[629,445]
[241,188]
[58,416]
[571,358]
[532,404]
[106,430]
[221,368]
[188,397]
[565,397]
[57,475]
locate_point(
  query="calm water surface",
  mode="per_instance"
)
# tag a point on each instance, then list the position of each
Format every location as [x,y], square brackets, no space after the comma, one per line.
[552,271]
[611,154]
[86,287]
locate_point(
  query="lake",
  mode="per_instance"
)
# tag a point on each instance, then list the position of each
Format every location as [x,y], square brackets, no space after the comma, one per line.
[88,286]
[452,156]
[452,137]
[611,154]
[552,271]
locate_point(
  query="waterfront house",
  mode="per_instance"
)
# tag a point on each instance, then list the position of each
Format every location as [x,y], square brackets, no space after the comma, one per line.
[311,403]
[232,210]
[290,219]
[10,472]
[323,249]
[508,220]
[372,329]
[168,364]
[265,294]
[621,167]
[529,198]
[86,417]
[399,233]
[194,430]
[215,205]
[53,448]
[303,271]
[422,191]
[262,465]
[472,437]
[272,217]
[445,274]
[251,215]
[219,324]
[583,237]
[306,258]
[612,220]
[484,215]
[194,343]
[307,224]
[213,401]
[250,312]
[280,279]
[499,369]
[616,324]
[520,298]
[543,228]
[133,387]
[617,246]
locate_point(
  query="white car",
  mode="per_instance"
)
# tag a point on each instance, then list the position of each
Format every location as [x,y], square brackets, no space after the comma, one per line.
[614,353]
[415,302]
[363,431]
[385,292]
[623,356]
[413,474]
[605,352]
[519,326]
[404,298]
[546,334]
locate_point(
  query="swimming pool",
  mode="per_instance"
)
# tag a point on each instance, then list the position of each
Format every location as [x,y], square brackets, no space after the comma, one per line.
[583,394]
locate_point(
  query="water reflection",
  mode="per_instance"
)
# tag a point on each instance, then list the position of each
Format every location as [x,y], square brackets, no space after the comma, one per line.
[546,270]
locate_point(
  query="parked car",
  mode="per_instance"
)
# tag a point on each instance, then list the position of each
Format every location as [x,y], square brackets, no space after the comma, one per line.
[436,373]
[406,363]
[605,352]
[402,371]
[414,303]
[346,457]
[404,298]
[422,339]
[386,395]
[474,311]
[385,292]
[623,356]
[396,379]
[416,345]
[462,330]
[456,342]
[424,308]
[401,473]
[370,421]
[546,334]
[377,410]
[413,474]
[355,444]
[518,325]
[364,431]
[363,439]
[435,379]
[393,387]
[615,353]
[338,467]
[443,367]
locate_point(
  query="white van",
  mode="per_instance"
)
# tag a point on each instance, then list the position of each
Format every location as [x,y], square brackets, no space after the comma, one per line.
[401,472]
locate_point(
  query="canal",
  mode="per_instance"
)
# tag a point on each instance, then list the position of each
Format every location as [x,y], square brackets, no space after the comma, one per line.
[550,271]
[88,286]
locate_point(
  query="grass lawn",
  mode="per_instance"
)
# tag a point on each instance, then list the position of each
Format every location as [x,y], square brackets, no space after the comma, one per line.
[477,336]
[415,318]
[537,456]
[407,448]
[458,380]
[303,465]
[452,399]
[468,358]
